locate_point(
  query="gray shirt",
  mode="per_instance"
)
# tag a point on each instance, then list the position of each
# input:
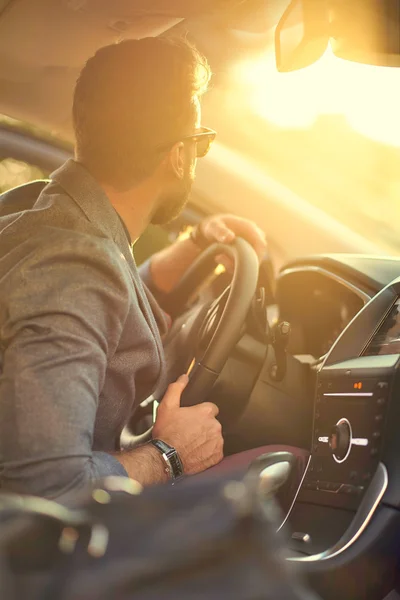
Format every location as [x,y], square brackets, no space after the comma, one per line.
[80,343]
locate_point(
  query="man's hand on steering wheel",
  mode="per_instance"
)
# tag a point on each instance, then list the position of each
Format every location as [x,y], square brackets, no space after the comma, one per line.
[193,431]
[224,229]
[169,265]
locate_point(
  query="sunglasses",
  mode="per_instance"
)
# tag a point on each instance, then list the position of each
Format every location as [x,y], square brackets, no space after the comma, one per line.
[204,137]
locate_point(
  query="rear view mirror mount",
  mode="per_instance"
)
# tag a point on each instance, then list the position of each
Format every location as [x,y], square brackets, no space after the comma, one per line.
[302,35]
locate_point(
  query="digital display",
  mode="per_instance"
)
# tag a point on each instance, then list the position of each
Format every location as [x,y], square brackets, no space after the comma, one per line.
[387,339]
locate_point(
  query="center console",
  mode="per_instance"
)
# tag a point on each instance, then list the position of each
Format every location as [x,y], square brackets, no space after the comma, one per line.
[349,424]
[353,475]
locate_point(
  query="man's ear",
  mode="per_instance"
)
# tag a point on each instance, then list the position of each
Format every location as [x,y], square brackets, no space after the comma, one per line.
[176,160]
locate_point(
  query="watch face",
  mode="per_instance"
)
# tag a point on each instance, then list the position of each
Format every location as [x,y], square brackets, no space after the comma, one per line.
[171,457]
[176,465]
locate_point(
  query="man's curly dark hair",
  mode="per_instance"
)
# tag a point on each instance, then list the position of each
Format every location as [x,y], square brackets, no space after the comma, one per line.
[131,97]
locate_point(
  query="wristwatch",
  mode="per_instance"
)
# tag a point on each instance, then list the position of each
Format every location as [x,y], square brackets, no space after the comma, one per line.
[199,239]
[174,466]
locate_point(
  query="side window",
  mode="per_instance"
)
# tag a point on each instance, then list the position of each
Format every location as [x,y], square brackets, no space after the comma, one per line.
[15,172]
[156,238]
[153,239]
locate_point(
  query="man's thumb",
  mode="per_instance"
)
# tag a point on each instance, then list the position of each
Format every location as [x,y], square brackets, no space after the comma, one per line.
[223,234]
[172,397]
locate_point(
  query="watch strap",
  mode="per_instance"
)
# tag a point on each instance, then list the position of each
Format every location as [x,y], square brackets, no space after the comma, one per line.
[174,466]
[198,238]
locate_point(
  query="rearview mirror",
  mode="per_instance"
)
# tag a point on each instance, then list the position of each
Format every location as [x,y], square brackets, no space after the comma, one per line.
[302,35]
[364,31]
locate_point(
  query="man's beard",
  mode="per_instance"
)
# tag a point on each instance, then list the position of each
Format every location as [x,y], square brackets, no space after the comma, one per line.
[172,205]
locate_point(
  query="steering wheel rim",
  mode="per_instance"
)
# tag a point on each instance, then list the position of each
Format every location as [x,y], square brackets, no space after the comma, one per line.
[227,332]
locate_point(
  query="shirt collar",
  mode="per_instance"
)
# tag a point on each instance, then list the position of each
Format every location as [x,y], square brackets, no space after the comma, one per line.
[83,188]
[128,235]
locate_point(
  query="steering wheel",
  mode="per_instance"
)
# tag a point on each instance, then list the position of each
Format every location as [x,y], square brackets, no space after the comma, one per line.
[218,327]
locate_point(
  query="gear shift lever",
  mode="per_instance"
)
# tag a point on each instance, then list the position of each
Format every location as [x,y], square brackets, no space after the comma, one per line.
[271,475]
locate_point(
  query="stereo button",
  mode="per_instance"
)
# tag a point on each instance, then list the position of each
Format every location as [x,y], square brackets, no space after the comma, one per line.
[382,385]
[310,485]
[353,475]
[349,490]
[329,486]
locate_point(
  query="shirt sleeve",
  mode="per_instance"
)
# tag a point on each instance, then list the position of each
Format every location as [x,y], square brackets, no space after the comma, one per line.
[62,310]
[156,299]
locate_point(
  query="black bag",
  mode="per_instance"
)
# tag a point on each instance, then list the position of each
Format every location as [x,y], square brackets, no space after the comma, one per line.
[202,538]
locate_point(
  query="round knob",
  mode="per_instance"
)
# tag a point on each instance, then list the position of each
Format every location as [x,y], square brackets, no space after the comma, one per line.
[340,440]
[283,331]
[284,328]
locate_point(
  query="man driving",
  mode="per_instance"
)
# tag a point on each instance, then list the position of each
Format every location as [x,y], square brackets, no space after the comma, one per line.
[80,332]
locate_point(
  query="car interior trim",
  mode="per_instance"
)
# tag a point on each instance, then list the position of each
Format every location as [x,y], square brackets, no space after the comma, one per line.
[295,496]
[356,394]
[350,286]
[361,520]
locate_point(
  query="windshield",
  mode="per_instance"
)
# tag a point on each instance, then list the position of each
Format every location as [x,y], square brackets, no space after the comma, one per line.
[330,133]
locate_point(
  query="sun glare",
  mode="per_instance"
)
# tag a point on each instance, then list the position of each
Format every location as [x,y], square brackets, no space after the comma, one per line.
[367,96]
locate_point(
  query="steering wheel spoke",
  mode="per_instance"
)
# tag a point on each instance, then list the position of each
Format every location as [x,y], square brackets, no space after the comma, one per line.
[216,328]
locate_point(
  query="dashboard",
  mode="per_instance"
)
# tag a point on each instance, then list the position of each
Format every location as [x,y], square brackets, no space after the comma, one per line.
[338,398]
[319,305]
[345,517]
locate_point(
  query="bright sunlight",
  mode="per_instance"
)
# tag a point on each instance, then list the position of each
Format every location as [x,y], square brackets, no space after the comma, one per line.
[369,97]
